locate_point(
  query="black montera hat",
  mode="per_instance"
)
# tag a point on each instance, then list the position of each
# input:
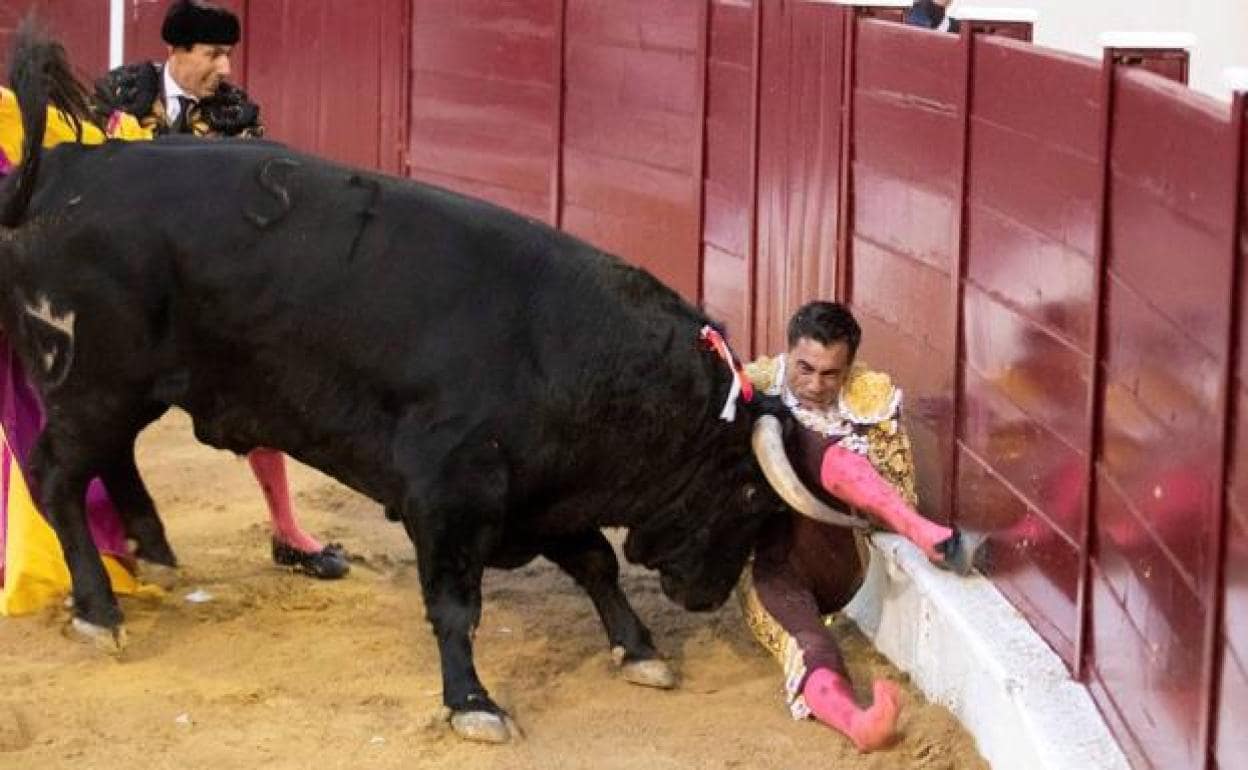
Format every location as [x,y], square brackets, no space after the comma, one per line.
[189,22]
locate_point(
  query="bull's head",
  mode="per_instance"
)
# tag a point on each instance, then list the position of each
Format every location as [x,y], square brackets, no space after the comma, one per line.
[701,549]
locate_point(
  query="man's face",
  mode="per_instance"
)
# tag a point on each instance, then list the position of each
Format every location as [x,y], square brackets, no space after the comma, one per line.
[200,68]
[815,372]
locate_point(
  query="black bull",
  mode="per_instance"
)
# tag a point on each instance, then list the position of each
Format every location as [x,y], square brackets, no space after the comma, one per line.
[503,389]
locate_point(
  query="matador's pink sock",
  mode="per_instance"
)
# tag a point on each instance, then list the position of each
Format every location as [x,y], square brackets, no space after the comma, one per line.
[269,466]
[831,700]
[850,477]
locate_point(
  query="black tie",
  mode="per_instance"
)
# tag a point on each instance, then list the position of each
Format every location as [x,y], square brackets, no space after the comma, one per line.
[183,122]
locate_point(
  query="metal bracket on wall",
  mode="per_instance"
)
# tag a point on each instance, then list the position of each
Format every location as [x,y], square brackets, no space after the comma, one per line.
[1164,54]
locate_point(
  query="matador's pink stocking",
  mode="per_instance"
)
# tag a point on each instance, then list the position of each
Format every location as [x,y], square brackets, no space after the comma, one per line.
[831,700]
[292,546]
[851,478]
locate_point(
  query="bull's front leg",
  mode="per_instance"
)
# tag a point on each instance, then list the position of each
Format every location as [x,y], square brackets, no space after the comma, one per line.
[591,561]
[451,568]
[62,477]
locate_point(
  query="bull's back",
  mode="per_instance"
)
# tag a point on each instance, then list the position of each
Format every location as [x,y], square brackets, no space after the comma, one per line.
[313,290]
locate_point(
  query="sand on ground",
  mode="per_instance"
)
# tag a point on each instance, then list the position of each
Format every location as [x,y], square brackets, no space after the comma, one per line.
[277,670]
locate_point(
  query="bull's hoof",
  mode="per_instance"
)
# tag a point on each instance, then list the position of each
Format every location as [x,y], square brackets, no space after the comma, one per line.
[484,726]
[964,552]
[158,574]
[108,640]
[329,563]
[651,672]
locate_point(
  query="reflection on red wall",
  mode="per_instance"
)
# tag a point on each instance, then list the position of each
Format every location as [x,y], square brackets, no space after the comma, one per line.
[1167,324]
[1032,197]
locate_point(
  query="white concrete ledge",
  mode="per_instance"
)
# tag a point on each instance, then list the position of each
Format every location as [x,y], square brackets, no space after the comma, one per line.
[966,648]
[1148,40]
[985,13]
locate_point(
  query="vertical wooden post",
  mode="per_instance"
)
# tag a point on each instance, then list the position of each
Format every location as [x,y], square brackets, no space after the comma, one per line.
[958,266]
[561,89]
[699,155]
[751,257]
[1100,261]
[845,178]
[1216,592]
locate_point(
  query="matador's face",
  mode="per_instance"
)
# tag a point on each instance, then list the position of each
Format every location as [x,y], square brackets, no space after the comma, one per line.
[815,372]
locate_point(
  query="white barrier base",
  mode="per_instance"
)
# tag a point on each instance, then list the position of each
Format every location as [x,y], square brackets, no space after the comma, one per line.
[967,649]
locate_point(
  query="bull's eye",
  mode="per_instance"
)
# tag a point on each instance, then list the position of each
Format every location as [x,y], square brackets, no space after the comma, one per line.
[749,491]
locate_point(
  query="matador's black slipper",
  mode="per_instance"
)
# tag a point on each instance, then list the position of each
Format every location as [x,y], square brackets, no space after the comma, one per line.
[329,563]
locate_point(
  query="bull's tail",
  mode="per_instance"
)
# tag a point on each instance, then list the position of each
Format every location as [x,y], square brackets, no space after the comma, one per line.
[40,75]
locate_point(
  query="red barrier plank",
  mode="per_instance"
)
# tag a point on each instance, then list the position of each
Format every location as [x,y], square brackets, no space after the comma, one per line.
[1044,280]
[1232,744]
[484,89]
[1061,101]
[633,133]
[1034,565]
[648,25]
[1154,717]
[1167,204]
[81,25]
[916,65]
[1040,469]
[344,67]
[906,208]
[1230,741]
[910,296]
[799,161]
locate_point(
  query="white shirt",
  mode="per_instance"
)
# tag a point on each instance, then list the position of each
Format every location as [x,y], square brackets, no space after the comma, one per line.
[173,107]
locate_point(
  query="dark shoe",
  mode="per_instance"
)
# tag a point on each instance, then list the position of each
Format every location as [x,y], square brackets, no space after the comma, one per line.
[964,552]
[329,563]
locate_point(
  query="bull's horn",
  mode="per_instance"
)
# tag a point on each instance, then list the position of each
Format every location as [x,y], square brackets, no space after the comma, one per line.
[769,449]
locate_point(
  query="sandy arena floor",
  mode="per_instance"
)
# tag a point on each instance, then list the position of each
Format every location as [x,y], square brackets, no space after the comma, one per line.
[282,671]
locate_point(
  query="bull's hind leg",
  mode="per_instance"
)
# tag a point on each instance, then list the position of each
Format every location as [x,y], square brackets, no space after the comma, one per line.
[454,518]
[590,560]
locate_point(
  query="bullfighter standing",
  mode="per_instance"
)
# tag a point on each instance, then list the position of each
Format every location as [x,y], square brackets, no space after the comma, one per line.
[189,94]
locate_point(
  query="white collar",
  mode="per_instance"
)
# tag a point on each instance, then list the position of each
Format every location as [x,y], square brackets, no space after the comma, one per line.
[173,107]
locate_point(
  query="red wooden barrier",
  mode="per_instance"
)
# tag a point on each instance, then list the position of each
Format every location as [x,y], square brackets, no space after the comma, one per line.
[1232,713]
[82,25]
[1033,191]
[799,162]
[329,78]
[906,184]
[1167,306]
[485,103]
[730,186]
[632,132]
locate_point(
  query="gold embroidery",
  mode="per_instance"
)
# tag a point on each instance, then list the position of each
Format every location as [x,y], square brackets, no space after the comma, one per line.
[868,397]
[762,373]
